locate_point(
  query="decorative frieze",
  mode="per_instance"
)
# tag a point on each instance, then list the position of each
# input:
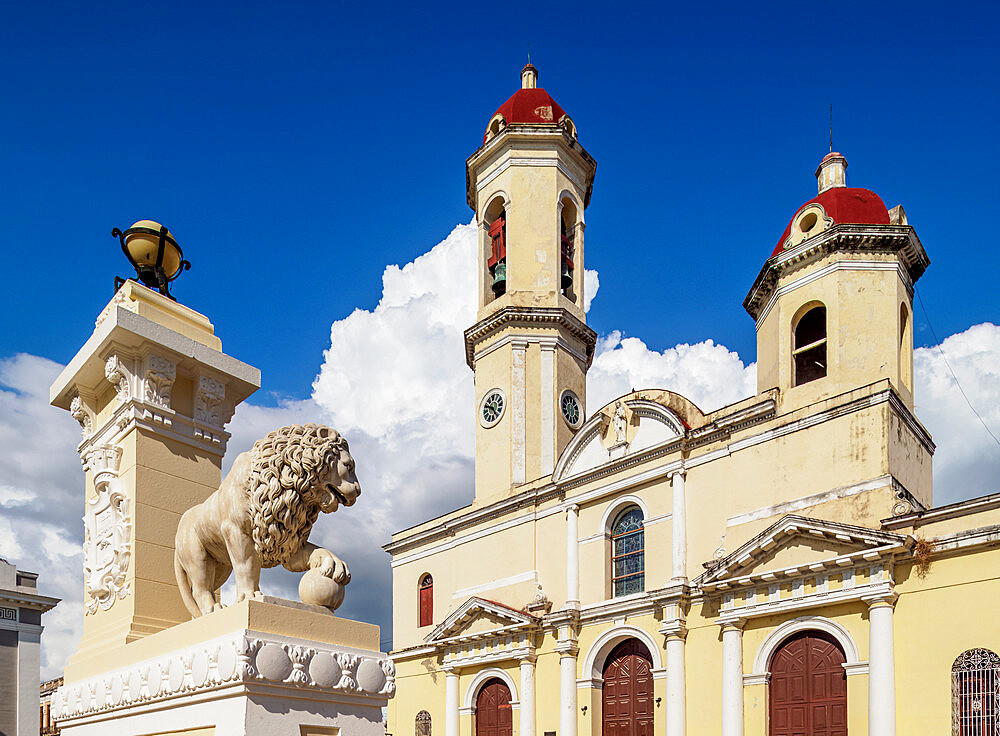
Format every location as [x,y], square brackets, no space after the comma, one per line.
[237,661]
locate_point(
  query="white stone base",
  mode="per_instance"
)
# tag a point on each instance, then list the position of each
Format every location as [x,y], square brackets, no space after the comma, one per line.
[246,683]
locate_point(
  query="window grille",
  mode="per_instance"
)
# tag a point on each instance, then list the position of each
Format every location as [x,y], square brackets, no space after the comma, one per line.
[422,724]
[628,553]
[975,694]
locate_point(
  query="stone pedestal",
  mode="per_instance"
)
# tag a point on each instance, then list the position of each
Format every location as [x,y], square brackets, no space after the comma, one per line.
[271,667]
[152,391]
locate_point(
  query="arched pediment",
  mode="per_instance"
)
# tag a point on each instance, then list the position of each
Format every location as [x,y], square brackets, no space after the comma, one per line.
[626,426]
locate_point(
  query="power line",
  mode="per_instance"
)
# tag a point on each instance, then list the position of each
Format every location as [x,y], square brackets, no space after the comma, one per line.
[950,370]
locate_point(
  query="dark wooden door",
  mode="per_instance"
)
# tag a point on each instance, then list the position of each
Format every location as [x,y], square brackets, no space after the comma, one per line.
[628,691]
[493,712]
[808,687]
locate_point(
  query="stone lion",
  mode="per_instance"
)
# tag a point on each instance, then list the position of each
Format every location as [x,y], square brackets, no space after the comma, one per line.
[261,516]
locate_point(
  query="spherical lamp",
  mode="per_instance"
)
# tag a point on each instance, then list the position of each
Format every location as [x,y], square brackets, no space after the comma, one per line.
[153,253]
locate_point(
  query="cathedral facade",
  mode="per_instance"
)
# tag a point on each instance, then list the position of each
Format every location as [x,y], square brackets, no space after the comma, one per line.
[774,567]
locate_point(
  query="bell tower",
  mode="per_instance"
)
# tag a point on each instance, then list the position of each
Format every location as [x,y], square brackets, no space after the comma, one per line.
[529,184]
[834,302]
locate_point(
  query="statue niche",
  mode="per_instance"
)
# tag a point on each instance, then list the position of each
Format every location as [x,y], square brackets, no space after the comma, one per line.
[261,516]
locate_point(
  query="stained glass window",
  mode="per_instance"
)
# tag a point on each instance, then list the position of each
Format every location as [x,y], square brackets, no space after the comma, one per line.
[422,724]
[628,553]
[975,694]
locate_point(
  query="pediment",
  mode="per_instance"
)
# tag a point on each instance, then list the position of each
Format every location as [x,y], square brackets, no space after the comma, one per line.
[798,544]
[478,616]
[626,426]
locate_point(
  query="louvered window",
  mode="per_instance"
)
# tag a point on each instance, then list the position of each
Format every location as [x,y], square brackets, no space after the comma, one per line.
[628,553]
[975,694]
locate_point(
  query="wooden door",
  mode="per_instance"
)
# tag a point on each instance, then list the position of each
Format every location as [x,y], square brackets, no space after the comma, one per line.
[493,712]
[628,691]
[808,687]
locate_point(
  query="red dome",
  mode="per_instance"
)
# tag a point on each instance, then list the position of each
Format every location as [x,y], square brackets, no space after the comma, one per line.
[845,205]
[533,105]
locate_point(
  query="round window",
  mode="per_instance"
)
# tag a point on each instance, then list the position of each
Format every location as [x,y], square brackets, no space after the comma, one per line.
[492,408]
[571,410]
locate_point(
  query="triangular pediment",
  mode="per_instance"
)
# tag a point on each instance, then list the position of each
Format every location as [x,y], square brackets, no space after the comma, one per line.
[801,543]
[478,616]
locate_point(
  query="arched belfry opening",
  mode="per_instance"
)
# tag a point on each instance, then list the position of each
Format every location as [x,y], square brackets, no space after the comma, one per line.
[568,218]
[809,356]
[495,225]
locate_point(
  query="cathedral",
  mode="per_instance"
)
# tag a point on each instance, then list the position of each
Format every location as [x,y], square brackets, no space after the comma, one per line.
[774,567]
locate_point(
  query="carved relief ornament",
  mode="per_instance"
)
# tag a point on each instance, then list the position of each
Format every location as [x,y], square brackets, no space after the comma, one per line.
[118,376]
[81,414]
[208,402]
[107,530]
[159,380]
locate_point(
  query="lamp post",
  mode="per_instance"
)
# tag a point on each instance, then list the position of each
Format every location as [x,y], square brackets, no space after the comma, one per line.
[153,253]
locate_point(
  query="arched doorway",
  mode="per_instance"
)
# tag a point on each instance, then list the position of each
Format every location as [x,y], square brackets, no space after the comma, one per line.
[493,712]
[808,687]
[628,691]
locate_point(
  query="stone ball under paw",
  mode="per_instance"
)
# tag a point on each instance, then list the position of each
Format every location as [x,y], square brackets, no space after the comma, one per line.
[319,590]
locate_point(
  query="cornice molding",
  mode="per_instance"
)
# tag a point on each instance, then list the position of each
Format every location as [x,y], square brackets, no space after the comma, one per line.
[529,318]
[899,240]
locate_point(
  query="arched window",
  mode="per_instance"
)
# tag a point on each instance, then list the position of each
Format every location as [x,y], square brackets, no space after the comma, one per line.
[426,603]
[975,693]
[809,347]
[628,566]
[422,724]
[497,262]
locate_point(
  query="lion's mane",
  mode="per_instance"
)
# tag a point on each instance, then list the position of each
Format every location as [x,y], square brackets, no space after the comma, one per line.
[285,467]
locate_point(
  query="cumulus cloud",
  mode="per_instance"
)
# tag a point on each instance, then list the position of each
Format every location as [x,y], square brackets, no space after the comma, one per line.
[395,382]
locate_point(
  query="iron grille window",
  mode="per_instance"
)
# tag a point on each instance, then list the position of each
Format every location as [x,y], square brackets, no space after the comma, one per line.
[975,694]
[628,553]
[422,724]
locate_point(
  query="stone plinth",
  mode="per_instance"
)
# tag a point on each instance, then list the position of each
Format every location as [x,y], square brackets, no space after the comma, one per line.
[259,667]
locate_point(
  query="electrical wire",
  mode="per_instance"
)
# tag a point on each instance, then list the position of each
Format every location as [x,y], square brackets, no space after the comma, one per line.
[950,370]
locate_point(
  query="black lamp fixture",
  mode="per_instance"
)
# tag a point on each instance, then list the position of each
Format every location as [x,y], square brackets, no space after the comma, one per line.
[153,253]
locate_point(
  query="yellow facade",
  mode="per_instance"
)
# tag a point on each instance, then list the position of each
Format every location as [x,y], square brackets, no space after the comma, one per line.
[803,513]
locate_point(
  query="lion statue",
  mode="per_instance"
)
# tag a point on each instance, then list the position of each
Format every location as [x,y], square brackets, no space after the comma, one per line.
[261,516]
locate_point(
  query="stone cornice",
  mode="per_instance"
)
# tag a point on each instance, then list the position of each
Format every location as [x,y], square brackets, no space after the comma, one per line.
[529,318]
[900,240]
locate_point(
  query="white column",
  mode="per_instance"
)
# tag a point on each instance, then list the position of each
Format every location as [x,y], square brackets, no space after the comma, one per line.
[451,703]
[732,679]
[679,525]
[881,669]
[567,693]
[527,697]
[676,712]
[572,557]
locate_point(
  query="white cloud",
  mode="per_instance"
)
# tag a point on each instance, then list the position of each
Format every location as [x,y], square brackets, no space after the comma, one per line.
[394,380]
[967,460]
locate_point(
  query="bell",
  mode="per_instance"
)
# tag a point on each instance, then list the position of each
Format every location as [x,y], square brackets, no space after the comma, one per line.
[500,278]
[567,276]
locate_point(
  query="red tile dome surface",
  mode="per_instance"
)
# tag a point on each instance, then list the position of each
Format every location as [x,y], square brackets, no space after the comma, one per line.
[846,205]
[534,106]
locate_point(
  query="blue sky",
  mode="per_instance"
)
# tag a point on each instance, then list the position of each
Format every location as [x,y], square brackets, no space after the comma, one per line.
[296,149]
[299,151]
